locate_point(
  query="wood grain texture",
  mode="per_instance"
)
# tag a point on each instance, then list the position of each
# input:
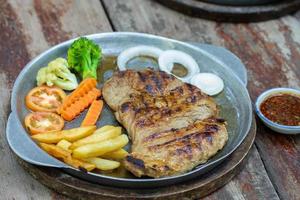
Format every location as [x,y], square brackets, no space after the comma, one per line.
[247,184]
[13,55]
[29,27]
[270,50]
[15,182]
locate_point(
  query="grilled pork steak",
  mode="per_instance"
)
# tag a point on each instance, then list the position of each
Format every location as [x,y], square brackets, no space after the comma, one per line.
[173,125]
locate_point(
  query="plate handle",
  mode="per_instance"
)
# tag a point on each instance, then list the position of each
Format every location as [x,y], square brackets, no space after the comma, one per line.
[22,145]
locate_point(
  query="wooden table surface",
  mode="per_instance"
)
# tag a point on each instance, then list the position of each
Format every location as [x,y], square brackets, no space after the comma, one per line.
[270,50]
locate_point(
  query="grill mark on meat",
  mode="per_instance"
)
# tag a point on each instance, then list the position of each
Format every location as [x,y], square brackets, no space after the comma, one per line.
[149,89]
[178,89]
[166,112]
[143,122]
[174,131]
[208,137]
[149,116]
[187,89]
[156,115]
[125,107]
[187,138]
[186,150]
[159,134]
[141,76]
[190,87]
[136,162]
[157,81]
[211,127]
[191,99]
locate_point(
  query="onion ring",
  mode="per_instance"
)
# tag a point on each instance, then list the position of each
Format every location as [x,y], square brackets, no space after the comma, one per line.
[209,83]
[136,51]
[167,59]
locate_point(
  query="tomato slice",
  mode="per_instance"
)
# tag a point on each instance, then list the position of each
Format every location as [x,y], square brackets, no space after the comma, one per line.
[40,122]
[45,99]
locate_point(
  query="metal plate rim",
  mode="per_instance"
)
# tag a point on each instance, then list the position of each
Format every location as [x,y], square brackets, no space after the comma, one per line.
[120,34]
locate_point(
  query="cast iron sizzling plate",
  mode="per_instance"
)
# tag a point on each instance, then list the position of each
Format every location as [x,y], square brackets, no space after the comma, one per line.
[234,102]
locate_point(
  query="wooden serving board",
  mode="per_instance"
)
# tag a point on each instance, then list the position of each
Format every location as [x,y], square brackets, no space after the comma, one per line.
[76,188]
[228,13]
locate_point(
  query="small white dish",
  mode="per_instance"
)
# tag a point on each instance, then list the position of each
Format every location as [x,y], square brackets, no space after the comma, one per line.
[272,125]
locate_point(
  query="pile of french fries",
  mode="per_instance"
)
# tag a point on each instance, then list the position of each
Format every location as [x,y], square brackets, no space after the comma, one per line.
[86,148]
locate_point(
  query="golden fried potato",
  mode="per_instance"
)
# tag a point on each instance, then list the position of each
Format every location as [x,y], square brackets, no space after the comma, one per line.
[103,164]
[65,156]
[70,135]
[98,149]
[55,151]
[79,164]
[101,134]
[105,128]
[117,155]
[64,144]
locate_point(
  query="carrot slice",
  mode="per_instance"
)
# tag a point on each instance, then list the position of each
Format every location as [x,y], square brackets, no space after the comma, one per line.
[93,113]
[83,88]
[80,104]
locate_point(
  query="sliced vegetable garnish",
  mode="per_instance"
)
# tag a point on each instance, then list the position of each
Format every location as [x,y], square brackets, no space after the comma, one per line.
[209,83]
[40,122]
[136,51]
[167,59]
[78,106]
[84,56]
[84,87]
[44,98]
[57,73]
[93,113]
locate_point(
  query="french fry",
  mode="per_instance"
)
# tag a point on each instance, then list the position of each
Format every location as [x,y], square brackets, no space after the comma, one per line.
[64,155]
[79,164]
[70,135]
[104,128]
[87,166]
[102,134]
[98,149]
[103,164]
[117,155]
[64,144]
[55,151]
